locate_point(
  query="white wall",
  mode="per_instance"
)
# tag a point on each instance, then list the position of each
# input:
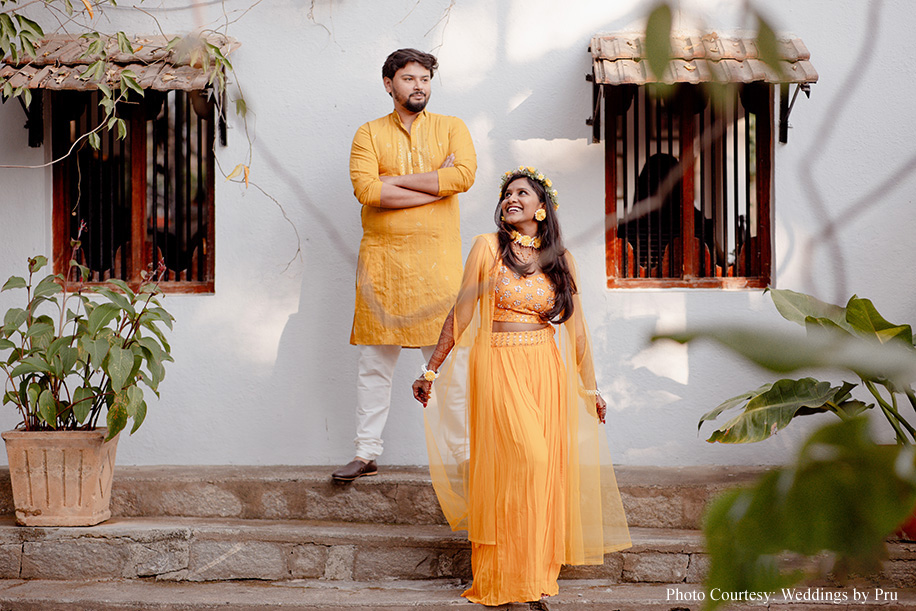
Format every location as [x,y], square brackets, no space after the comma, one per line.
[264,373]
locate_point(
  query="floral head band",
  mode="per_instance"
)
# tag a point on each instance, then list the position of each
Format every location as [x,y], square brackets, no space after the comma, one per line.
[533,174]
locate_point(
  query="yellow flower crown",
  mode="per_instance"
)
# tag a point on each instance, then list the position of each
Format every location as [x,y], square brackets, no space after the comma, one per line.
[533,174]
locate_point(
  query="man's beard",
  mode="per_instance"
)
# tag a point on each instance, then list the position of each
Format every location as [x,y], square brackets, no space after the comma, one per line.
[415,105]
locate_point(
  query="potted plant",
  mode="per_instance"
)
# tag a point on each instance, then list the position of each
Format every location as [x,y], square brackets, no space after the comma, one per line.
[68,356]
[854,338]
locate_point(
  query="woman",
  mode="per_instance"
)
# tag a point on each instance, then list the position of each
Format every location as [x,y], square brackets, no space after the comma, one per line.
[535,487]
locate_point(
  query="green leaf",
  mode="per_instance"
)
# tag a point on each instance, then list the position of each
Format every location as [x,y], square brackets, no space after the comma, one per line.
[864,318]
[241,107]
[30,26]
[120,363]
[124,287]
[47,287]
[658,39]
[101,316]
[47,408]
[122,129]
[15,282]
[768,46]
[732,403]
[13,319]
[6,344]
[139,417]
[124,44]
[783,352]
[83,398]
[36,263]
[797,307]
[38,329]
[772,410]
[129,80]
[116,419]
[94,141]
[96,349]
[31,364]
[116,298]
[68,357]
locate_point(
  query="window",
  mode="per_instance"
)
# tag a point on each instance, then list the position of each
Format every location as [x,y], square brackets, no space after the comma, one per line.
[711,153]
[689,159]
[146,198]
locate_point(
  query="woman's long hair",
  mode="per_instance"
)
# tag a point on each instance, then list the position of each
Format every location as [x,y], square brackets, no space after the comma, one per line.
[552,257]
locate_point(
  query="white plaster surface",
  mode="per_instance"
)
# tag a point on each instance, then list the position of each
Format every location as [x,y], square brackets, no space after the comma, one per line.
[263,371]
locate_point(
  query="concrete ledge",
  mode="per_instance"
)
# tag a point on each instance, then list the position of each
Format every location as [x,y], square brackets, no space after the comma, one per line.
[654,497]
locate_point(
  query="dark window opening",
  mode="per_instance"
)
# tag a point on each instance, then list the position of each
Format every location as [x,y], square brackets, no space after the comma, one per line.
[146,198]
[688,185]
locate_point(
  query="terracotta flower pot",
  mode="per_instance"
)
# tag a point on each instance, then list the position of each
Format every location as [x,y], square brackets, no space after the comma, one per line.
[61,478]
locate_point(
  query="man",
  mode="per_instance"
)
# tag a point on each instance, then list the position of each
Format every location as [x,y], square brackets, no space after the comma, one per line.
[407,169]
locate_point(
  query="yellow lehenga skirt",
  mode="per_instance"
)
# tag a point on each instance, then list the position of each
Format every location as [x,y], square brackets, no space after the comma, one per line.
[526,484]
[516,453]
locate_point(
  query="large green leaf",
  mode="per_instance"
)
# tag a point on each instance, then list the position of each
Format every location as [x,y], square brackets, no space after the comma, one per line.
[820,348]
[770,411]
[842,495]
[101,315]
[120,362]
[732,403]
[864,318]
[797,307]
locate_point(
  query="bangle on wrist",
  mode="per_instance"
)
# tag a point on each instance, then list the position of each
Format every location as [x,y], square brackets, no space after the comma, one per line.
[594,393]
[428,374]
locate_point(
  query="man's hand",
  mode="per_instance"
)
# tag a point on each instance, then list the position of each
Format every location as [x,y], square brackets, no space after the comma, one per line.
[600,408]
[449,161]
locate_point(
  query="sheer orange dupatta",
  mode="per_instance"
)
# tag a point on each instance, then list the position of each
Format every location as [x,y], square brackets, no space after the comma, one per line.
[596,523]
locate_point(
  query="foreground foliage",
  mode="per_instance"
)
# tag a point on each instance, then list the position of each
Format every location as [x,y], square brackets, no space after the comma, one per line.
[841,497]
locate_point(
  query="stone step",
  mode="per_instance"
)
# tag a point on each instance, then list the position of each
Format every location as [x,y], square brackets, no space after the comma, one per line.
[445,595]
[207,549]
[654,497]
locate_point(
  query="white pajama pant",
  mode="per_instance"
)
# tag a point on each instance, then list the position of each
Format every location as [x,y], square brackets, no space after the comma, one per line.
[373,397]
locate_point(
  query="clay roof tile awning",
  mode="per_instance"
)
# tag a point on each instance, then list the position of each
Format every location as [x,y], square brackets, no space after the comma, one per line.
[620,59]
[60,61]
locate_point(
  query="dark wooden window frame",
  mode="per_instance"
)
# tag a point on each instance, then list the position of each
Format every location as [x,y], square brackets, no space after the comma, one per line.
[139,240]
[689,277]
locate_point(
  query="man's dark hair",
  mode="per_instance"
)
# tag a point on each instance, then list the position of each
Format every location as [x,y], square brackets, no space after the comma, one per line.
[402,57]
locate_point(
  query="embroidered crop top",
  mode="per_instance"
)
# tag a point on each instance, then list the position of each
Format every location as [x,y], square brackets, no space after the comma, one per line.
[521,299]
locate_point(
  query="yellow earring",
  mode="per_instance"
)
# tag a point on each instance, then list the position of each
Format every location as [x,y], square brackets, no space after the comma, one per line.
[540,215]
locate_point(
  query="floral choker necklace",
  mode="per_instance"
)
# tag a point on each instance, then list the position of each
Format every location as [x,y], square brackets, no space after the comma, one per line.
[526,240]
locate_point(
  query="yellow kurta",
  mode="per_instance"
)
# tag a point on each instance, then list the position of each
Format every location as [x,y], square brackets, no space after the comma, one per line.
[409,266]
